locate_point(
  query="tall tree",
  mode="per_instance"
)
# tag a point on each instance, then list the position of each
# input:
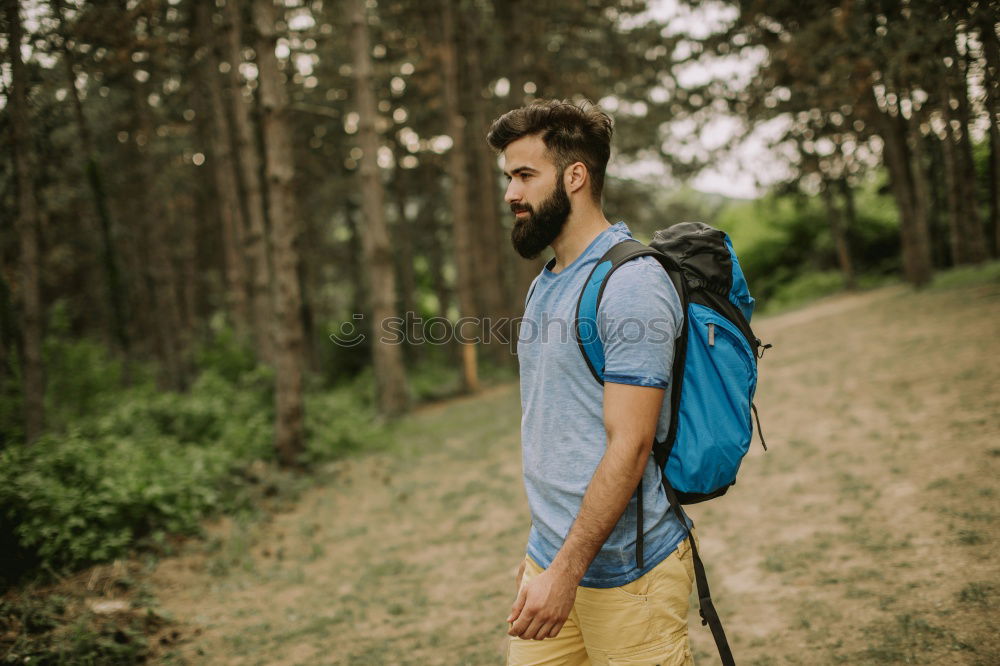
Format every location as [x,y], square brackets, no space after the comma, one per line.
[248,161]
[222,163]
[984,22]
[116,291]
[27,228]
[153,223]
[390,376]
[484,195]
[458,174]
[284,218]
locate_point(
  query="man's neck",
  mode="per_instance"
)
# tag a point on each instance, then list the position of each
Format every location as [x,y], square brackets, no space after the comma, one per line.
[576,236]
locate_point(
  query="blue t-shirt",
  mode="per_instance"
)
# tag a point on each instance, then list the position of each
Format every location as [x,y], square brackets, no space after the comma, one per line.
[562,424]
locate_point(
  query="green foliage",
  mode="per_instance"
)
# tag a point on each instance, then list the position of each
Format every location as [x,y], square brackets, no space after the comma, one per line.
[804,288]
[787,252]
[11,402]
[225,353]
[38,630]
[434,379]
[154,463]
[777,239]
[341,421]
[968,275]
[122,467]
[119,466]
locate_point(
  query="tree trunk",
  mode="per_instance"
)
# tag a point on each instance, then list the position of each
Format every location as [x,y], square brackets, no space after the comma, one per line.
[457,171]
[27,228]
[390,376]
[918,169]
[355,267]
[490,239]
[116,290]
[973,228]
[850,211]
[187,227]
[510,14]
[248,162]
[994,223]
[991,55]
[404,250]
[155,236]
[912,221]
[956,239]
[838,232]
[431,241]
[283,214]
[223,170]
[404,255]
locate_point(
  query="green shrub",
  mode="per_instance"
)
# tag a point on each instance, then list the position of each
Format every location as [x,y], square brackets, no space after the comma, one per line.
[964,276]
[150,463]
[50,629]
[802,289]
[224,353]
[341,421]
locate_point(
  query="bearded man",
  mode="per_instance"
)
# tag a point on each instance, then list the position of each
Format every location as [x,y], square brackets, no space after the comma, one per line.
[585,596]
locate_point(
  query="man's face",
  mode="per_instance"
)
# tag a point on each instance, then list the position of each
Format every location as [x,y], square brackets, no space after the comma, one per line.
[536,195]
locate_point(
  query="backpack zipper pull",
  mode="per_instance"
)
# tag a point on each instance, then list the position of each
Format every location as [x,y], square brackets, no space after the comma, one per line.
[711,335]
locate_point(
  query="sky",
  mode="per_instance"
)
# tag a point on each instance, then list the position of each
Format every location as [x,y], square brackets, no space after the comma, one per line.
[751,165]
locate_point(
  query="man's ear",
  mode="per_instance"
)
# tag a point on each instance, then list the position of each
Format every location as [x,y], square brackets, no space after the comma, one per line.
[575,177]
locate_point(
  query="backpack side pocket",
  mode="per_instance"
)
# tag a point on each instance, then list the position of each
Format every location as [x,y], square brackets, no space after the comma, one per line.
[714,425]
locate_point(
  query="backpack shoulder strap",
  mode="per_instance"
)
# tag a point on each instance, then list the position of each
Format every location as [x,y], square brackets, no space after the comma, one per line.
[587,335]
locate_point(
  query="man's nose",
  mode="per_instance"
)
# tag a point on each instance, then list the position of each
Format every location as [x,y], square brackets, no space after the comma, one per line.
[513,192]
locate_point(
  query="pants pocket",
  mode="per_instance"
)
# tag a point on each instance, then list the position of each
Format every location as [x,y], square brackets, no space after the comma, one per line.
[668,653]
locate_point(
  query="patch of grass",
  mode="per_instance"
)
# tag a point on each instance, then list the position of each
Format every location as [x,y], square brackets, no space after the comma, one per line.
[940,484]
[966,276]
[797,557]
[906,639]
[233,553]
[816,616]
[971,538]
[803,289]
[54,629]
[854,487]
[387,568]
[978,593]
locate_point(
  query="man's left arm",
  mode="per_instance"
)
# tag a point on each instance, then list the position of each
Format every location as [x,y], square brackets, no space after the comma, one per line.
[630,418]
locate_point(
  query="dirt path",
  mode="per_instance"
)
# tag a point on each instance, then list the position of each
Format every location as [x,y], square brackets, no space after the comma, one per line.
[866,535]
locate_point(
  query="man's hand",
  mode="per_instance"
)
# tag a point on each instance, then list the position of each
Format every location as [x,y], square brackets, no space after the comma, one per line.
[542,606]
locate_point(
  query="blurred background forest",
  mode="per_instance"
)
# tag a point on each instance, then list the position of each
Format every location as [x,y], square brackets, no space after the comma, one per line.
[197,194]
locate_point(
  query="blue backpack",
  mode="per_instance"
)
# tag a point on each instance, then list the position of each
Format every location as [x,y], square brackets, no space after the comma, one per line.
[714,373]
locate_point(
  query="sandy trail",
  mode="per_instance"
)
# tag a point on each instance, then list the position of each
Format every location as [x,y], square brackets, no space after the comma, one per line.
[866,534]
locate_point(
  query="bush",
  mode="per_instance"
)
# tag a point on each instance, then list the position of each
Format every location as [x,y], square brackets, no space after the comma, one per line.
[803,289]
[784,242]
[339,422]
[149,464]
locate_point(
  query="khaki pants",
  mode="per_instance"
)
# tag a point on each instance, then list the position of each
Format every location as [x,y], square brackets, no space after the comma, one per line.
[643,623]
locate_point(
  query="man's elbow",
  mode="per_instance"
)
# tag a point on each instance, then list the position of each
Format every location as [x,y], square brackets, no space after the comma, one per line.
[633,450]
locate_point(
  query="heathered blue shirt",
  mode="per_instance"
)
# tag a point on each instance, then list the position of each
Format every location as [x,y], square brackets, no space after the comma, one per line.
[562,424]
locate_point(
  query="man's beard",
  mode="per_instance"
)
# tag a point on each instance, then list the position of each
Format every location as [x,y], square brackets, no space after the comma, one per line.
[535,232]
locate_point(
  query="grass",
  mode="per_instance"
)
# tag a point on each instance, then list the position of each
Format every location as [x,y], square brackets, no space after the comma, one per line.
[864,536]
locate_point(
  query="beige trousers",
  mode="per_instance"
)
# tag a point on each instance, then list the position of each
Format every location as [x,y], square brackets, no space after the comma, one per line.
[643,623]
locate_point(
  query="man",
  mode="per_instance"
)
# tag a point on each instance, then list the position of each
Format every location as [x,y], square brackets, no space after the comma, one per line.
[582,598]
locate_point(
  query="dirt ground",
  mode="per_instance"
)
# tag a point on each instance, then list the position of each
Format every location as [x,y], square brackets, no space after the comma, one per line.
[865,535]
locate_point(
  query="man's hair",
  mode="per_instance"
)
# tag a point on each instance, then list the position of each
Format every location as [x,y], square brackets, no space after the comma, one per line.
[571,132]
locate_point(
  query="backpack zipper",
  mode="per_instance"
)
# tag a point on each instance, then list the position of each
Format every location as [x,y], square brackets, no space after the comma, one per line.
[711,335]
